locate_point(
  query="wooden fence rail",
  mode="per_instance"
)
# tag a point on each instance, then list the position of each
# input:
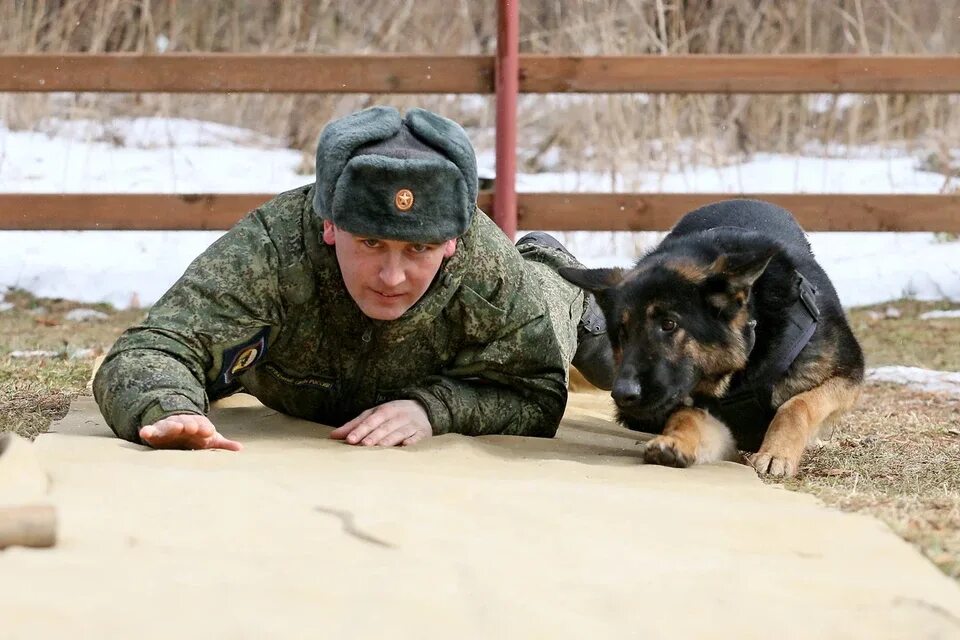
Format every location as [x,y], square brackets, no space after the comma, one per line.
[306,73]
[554,211]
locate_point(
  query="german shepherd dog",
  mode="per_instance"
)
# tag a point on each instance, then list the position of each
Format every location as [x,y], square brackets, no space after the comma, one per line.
[728,336]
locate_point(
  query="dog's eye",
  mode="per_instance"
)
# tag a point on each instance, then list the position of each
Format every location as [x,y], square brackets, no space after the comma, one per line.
[667,325]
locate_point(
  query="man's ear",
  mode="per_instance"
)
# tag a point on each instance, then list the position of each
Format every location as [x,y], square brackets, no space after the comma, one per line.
[449,248]
[329,233]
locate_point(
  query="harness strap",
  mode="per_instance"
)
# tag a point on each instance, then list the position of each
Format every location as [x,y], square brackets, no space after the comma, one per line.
[746,408]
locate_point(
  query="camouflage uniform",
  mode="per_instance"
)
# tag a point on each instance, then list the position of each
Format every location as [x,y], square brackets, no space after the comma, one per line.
[265,310]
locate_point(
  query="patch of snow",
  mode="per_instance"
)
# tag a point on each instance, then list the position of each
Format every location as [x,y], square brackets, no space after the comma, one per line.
[917,378]
[36,353]
[84,354]
[824,102]
[154,133]
[85,315]
[935,315]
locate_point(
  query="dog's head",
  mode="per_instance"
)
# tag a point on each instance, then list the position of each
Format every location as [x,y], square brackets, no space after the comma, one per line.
[680,324]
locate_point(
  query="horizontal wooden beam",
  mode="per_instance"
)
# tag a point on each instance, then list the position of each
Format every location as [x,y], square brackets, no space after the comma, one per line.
[740,74]
[552,211]
[245,73]
[815,212]
[126,211]
[307,73]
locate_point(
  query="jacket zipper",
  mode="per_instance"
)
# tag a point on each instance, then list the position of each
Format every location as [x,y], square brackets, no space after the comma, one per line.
[369,339]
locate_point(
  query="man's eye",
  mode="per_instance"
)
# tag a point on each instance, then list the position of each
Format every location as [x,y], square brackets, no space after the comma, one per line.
[371,243]
[419,248]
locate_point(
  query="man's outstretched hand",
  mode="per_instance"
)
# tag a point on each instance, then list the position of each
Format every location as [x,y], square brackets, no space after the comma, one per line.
[401,422]
[186,431]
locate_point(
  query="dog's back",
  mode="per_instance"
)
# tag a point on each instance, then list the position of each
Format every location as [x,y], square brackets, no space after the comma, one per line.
[753,215]
[779,225]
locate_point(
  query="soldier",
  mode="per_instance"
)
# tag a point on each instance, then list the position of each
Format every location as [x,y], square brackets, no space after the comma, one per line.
[378,298]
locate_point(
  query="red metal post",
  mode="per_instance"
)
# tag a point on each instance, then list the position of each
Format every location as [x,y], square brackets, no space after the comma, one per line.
[507,84]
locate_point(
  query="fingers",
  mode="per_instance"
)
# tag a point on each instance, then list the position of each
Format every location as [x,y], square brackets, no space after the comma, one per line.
[388,425]
[219,442]
[415,438]
[341,433]
[186,431]
[358,428]
[389,433]
[364,432]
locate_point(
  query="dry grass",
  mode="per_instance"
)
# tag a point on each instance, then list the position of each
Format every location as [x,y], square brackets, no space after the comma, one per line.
[602,133]
[897,455]
[908,340]
[36,390]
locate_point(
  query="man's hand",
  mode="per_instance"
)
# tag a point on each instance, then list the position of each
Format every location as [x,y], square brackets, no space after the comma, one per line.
[402,422]
[186,431]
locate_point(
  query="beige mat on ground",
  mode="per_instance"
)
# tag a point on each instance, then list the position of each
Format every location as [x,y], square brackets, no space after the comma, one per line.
[494,537]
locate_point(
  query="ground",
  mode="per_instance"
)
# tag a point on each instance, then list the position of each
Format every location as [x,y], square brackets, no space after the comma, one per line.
[896,456]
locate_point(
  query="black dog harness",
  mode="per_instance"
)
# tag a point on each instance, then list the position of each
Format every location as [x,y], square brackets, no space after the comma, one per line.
[745,409]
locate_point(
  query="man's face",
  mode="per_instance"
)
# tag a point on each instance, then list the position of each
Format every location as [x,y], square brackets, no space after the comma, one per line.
[385,277]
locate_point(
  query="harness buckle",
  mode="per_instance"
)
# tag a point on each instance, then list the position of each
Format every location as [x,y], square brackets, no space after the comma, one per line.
[808,297]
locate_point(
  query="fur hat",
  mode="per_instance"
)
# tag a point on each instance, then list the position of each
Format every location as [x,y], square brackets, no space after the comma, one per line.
[411,179]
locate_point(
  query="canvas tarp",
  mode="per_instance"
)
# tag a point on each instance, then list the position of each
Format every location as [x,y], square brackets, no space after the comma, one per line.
[299,536]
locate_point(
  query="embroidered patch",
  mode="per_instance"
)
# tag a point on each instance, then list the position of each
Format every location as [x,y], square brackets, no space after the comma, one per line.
[243,356]
[404,199]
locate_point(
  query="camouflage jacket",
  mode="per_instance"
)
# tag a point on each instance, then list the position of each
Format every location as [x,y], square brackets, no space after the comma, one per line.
[264,310]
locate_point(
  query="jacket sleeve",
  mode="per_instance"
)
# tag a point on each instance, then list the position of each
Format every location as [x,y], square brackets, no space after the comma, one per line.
[228,295]
[516,385]
[510,375]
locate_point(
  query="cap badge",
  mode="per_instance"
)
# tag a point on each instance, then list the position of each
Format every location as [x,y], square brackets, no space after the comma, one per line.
[404,199]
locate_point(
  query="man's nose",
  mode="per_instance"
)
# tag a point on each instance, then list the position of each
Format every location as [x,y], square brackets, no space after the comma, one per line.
[392,273]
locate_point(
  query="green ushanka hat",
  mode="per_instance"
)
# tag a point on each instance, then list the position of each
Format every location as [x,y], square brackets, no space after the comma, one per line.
[411,179]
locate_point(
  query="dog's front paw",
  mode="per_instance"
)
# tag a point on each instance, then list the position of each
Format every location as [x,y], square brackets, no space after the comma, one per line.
[775,464]
[668,451]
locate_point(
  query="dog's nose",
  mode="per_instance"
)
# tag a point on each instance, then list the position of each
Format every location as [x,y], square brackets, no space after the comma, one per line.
[626,392]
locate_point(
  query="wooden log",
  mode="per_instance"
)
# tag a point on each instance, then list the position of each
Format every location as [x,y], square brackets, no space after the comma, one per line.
[28,526]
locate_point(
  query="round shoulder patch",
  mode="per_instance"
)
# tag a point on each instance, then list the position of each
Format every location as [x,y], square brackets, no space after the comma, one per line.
[244,359]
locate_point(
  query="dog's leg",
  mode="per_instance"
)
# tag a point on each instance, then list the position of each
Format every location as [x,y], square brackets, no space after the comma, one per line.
[691,436]
[797,422]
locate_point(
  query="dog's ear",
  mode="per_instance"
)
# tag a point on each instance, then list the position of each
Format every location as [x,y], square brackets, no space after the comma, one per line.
[599,282]
[733,275]
[592,280]
[742,269]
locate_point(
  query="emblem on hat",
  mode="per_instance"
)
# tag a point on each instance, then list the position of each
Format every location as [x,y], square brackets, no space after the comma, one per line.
[404,199]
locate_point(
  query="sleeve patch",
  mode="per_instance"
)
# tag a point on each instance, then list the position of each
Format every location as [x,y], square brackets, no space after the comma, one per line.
[243,356]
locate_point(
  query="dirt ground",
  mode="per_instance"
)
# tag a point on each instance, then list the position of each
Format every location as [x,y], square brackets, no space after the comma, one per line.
[896,456]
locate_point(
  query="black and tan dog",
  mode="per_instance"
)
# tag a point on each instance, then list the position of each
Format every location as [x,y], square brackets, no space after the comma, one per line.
[728,336]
